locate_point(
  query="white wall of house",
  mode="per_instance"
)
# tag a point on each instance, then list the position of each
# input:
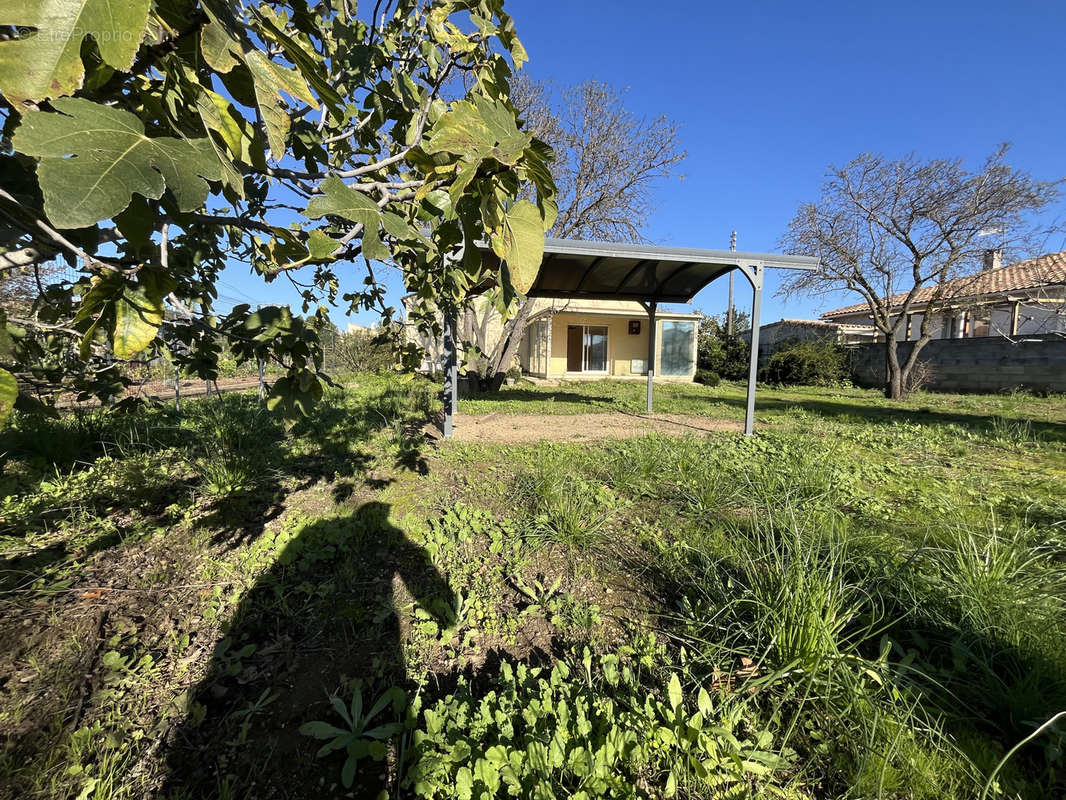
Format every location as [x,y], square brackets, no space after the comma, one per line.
[1045,315]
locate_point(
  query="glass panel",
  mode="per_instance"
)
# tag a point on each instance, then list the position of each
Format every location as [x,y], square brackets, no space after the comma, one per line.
[676,353]
[574,348]
[596,349]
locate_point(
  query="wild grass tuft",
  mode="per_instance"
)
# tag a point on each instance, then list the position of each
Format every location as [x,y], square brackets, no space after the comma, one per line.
[561,505]
[234,440]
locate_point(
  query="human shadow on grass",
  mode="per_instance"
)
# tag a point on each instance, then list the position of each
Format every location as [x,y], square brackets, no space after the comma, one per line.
[324,446]
[325,616]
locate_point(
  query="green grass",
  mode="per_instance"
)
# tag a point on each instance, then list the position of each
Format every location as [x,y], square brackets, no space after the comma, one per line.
[866,600]
[1013,415]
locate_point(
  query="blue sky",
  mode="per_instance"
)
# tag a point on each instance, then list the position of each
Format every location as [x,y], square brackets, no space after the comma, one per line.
[768,94]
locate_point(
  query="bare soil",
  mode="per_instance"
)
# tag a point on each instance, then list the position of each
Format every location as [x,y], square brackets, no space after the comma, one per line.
[517,429]
[164,390]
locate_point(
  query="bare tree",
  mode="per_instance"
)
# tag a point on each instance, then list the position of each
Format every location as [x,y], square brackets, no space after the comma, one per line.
[607,164]
[1044,304]
[888,229]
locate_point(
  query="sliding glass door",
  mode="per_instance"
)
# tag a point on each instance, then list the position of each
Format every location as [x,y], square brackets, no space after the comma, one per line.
[586,348]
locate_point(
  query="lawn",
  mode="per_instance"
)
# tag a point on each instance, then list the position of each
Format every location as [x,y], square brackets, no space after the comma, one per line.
[864,600]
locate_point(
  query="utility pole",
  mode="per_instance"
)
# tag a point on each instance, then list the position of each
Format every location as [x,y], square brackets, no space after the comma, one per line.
[729,311]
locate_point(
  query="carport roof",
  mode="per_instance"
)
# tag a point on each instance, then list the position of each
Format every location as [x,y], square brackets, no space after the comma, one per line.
[648,273]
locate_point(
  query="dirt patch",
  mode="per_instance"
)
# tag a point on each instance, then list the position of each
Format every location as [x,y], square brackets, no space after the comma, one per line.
[164,390]
[516,429]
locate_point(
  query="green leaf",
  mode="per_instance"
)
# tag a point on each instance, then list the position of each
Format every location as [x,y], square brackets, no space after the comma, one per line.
[217,45]
[464,783]
[112,159]
[135,223]
[241,143]
[9,390]
[339,200]
[270,81]
[139,313]
[671,785]
[321,730]
[48,63]
[673,692]
[348,771]
[95,308]
[303,56]
[703,703]
[478,130]
[290,399]
[520,244]
[320,246]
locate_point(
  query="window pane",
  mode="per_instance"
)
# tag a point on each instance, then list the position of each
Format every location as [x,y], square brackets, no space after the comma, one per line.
[596,339]
[676,353]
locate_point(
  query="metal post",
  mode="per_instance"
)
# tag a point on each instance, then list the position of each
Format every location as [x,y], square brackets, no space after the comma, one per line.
[451,375]
[756,305]
[207,387]
[651,350]
[177,390]
[729,308]
[262,379]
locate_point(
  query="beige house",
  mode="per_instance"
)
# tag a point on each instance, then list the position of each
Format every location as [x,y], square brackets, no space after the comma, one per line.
[582,340]
[1021,299]
[595,339]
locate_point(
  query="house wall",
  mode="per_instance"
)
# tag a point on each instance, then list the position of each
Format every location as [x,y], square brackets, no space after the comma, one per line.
[549,334]
[986,364]
[1044,315]
[533,351]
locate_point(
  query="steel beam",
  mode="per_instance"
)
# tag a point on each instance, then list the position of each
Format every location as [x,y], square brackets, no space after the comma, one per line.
[588,271]
[754,276]
[633,272]
[651,350]
[674,274]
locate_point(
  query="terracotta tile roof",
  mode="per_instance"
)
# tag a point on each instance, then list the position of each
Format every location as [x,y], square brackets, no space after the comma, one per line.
[1043,271]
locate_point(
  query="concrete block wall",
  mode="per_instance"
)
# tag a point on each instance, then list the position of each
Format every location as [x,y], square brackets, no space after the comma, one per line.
[987,364]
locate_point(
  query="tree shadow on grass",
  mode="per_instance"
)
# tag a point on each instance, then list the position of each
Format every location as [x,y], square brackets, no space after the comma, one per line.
[544,396]
[324,615]
[329,446]
[888,412]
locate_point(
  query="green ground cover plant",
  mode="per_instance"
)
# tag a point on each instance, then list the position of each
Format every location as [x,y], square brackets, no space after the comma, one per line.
[865,600]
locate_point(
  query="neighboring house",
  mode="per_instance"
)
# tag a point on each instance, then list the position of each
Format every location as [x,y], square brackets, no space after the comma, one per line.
[785,331]
[584,340]
[1022,299]
[591,339]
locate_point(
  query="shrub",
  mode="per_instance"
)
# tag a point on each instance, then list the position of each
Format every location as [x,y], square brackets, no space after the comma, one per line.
[809,364]
[364,351]
[717,352]
[707,377]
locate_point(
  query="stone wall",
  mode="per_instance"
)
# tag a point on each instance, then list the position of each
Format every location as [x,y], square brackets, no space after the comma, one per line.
[987,364]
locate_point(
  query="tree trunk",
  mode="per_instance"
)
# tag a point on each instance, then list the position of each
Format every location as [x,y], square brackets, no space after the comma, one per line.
[508,346]
[895,389]
[912,359]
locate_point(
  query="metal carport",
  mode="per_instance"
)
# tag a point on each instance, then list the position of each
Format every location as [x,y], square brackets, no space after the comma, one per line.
[648,274]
